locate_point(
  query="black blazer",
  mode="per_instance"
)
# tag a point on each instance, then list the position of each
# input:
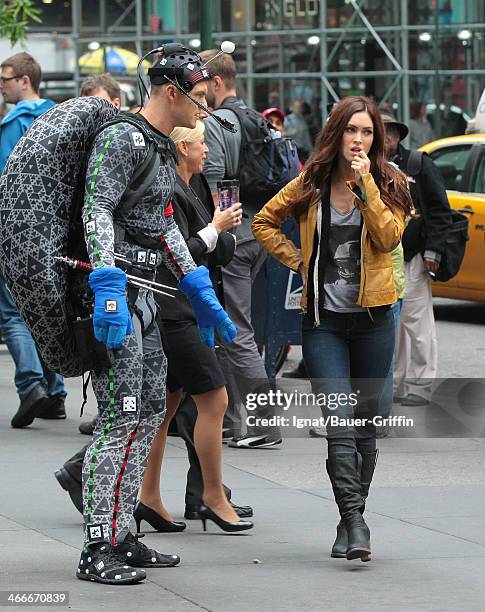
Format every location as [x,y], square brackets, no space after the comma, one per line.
[193,209]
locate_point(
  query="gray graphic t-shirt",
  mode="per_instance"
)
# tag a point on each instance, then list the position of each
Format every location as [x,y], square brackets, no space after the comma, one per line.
[342,269]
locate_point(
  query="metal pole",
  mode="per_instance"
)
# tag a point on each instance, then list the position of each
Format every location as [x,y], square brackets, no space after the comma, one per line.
[76,26]
[139,26]
[205,24]
[249,57]
[405,66]
[281,87]
[324,83]
[437,88]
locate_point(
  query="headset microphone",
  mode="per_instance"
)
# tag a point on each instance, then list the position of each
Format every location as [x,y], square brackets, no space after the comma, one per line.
[182,68]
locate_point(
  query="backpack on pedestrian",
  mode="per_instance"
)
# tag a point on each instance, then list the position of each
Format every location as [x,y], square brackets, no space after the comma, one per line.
[267,160]
[41,200]
[457,238]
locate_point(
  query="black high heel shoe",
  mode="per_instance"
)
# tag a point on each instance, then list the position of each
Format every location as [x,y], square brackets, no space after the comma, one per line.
[144,513]
[206,513]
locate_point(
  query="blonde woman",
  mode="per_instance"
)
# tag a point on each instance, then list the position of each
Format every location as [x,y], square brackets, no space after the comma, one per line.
[192,366]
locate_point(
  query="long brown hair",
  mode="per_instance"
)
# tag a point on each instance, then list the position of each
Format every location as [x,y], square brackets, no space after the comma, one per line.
[319,167]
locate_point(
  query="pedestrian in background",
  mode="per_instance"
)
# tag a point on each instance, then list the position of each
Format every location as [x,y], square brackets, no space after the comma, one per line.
[424,242]
[420,130]
[102,86]
[276,117]
[296,128]
[350,205]
[41,391]
[238,276]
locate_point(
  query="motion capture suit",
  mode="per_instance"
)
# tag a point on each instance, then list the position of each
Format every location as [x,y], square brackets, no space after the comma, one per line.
[130,394]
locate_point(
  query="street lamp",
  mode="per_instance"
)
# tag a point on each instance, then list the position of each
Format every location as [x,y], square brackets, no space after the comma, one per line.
[464,34]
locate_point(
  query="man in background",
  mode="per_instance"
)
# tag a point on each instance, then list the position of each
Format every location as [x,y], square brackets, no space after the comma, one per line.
[41,391]
[222,162]
[102,86]
[424,242]
[297,128]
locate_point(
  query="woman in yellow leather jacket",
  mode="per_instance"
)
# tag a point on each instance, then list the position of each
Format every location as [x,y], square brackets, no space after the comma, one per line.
[351,206]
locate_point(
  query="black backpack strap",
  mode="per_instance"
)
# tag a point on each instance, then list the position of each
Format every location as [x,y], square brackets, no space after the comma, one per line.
[415,163]
[147,171]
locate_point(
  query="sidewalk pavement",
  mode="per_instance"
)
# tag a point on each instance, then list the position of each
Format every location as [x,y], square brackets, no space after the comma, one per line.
[425,512]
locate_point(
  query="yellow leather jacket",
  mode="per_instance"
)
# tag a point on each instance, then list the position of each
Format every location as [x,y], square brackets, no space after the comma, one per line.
[382,230]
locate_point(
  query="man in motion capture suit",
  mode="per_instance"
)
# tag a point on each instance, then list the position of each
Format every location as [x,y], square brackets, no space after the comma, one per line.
[130,393]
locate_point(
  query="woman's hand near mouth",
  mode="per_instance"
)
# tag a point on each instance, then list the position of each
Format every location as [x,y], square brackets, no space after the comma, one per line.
[360,165]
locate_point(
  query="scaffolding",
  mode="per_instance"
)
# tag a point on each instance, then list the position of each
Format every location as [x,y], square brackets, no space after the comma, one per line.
[398,76]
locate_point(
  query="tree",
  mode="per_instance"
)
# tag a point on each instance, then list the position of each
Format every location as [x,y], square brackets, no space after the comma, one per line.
[15,16]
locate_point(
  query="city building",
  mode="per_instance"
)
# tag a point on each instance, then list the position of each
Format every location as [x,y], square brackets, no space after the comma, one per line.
[403,52]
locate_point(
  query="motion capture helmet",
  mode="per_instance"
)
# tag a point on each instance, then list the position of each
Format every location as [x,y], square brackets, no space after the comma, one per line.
[179,64]
[182,67]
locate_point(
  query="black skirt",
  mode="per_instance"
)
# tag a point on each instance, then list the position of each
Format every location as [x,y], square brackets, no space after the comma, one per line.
[192,366]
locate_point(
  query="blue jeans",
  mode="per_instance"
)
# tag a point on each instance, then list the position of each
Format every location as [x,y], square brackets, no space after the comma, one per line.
[349,353]
[30,370]
[385,401]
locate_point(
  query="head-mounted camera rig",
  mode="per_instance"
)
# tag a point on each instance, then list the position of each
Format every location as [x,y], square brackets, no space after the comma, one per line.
[183,68]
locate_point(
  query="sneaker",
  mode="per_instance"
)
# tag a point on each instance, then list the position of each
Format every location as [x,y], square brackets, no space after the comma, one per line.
[131,550]
[255,441]
[29,408]
[87,427]
[414,400]
[317,432]
[101,563]
[53,408]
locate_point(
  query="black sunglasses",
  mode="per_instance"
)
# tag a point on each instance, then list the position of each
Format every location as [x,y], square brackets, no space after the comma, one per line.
[5,79]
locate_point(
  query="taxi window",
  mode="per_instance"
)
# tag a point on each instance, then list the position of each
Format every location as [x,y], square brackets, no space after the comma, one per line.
[479,180]
[451,162]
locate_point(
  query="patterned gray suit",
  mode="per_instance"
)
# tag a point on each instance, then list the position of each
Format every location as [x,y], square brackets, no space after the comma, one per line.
[131,394]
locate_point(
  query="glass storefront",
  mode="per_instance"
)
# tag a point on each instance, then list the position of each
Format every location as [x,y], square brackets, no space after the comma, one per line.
[403,52]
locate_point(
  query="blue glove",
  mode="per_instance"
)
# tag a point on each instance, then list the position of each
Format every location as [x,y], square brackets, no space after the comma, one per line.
[112,318]
[197,286]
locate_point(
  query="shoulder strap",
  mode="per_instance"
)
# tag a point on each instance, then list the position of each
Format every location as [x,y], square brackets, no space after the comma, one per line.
[414,167]
[242,112]
[415,163]
[147,171]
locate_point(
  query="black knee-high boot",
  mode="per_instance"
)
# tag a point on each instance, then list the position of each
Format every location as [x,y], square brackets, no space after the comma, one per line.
[369,460]
[344,470]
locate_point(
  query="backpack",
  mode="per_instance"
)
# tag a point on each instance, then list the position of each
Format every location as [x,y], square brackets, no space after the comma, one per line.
[41,199]
[455,245]
[267,161]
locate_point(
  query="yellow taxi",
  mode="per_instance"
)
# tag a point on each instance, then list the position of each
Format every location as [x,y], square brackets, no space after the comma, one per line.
[461,160]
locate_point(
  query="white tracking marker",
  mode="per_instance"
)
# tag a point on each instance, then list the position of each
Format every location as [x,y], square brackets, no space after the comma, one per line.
[227,46]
